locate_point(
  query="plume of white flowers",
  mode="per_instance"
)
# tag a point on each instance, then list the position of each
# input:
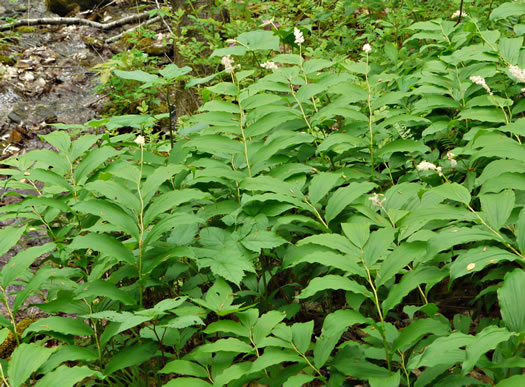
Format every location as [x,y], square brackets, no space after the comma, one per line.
[377,199]
[228,61]
[426,166]
[299,38]
[140,140]
[457,14]
[269,65]
[479,80]
[518,73]
[367,48]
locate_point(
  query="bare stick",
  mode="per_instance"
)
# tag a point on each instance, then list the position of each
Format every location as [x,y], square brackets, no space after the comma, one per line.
[74,21]
[117,37]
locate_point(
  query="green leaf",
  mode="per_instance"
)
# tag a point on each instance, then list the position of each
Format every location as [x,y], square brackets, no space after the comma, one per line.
[410,146]
[497,207]
[214,144]
[258,240]
[416,330]
[172,71]
[50,178]
[298,380]
[64,325]
[65,376]
[184,367]
[159,176]
[171,200]
[507,9]
[483,114]
[333,241]
[131,356]
[302,334]
[357,233]
[92,161]
[443,351]
[20,262]
[487,340]
[82,144]
[103,288]
[25,360]
[509,49]
[137,75]
[520,233]
[378,245]
[60,140]
[104,244]
[511,298]
[265,324]
[453,191]
[321,184]
[334,325]
[226,345]
[399,259]
[387,381]
[110,213]
[259,40]
[117,193]
[333,282]
[343,196]
[513,381]
[422,275]
[273,356]
[477,259]
[228,326]
[68,353]
[9,237]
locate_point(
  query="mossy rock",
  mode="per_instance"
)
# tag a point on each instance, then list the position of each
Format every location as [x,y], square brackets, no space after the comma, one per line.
[63,7]
[25,29]
[5,60]
[9,344]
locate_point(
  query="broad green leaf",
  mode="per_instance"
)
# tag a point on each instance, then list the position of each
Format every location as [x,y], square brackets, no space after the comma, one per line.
[82,144]
[357,233]
[103,288]
[159,176]
[520,232]
[477,259]
[359,367]
[410,146]
[137,75]
[509,49]
[226,345]
[443,351]
[497,207]
[184,367]
[349,263]
[302,334]
[483,114]
[232,372]
[214,144]
[453,191]
[172,71]
[171,200]
[343,196]
[511,298]
[50,178]
[59,163]
[377,245]
[333,241]
[64,325]
[258,240]
[388,381]
[68,353]
[298,380]
[321,184]
[25,360]
[508,9]
[333,282]
[399,259]
[422,275]
[170,222]
[65,376]
[104,244]
[487,340]
[273,356]
[60,140]
[94,159]
[334,325]
[227,326]
[265,324]
[416,330]
[117,193]
[111,213]
[20,262]
[513,381]
[259,40]
[131,356]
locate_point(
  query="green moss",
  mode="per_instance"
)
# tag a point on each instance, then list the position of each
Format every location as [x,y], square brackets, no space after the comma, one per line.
[9,344]
[25,29]
[5,60]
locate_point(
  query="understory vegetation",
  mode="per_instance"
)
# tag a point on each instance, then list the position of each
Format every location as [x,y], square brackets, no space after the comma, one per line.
[345,207]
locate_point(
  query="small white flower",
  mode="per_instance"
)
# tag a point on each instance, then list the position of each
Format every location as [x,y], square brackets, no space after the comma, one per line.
[453,163]
[439,171]
[377,199]
[523,90]
[299,38]
[450,157]
[367,48]
[228,61]
[426,166]
[140,140]
[478,80]
[457,14]
[269,65]
[518,73]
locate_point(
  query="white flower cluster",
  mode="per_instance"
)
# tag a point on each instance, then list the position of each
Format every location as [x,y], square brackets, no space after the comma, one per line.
[457,14]
[299,38]
[377,199]
[140,140]
[518,73]
[269,65]
[426,166]
[367,48]
[479,80]
[228,61]
[450,157]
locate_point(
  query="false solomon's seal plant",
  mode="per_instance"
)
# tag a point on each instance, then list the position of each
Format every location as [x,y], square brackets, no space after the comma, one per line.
[317,222]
